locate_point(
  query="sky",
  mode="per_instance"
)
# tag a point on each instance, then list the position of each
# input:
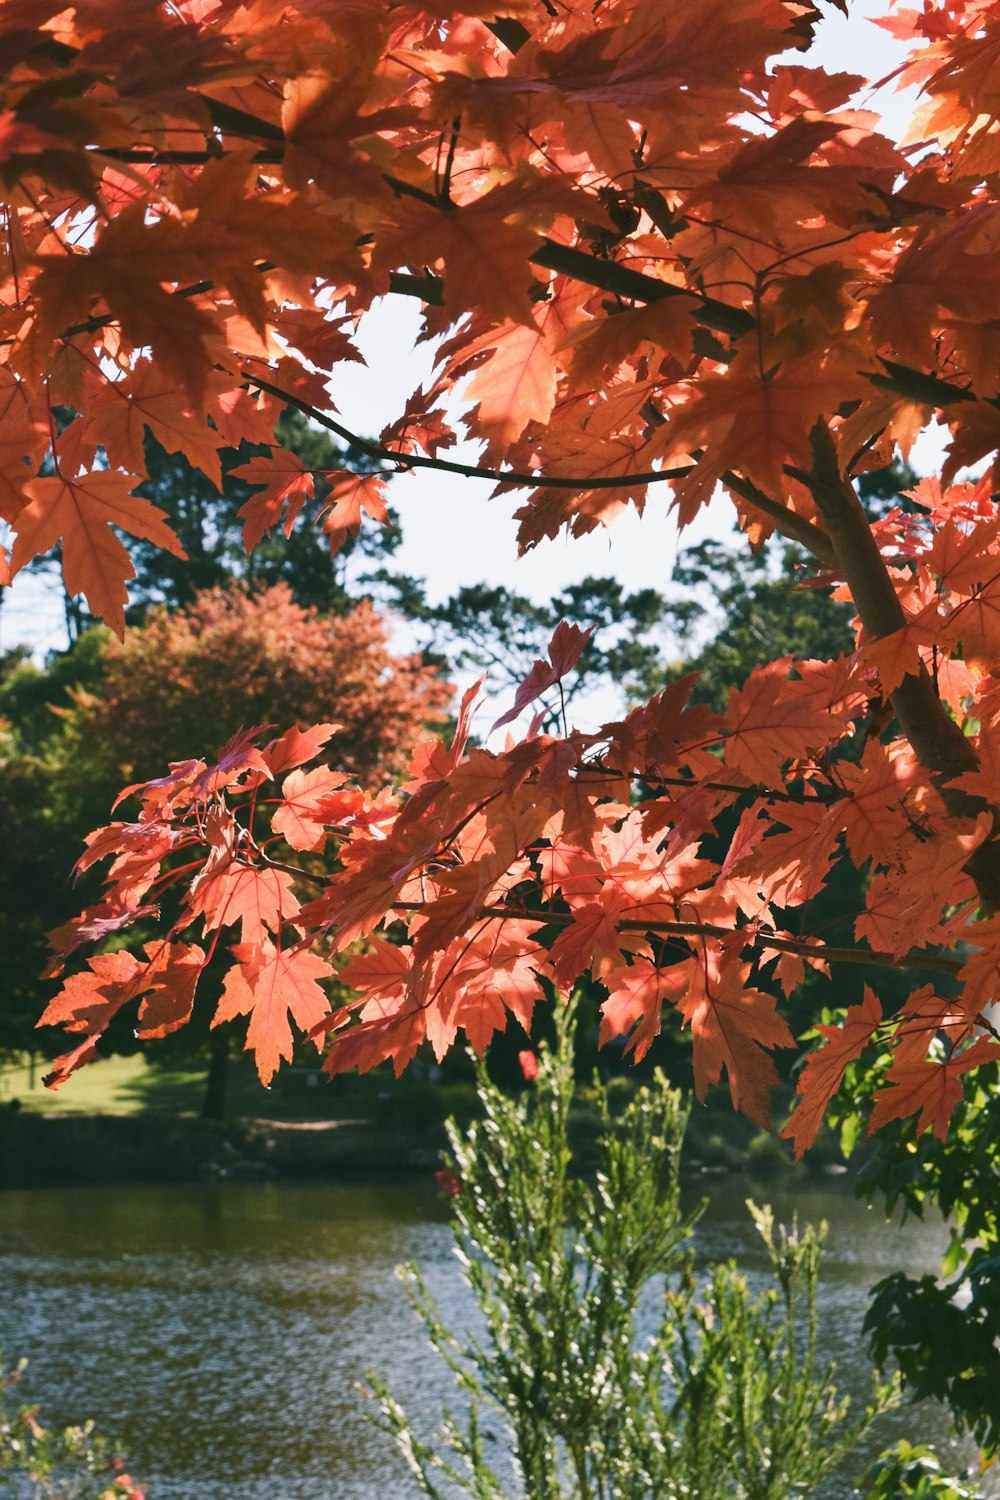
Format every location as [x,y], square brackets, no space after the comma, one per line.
[452,533]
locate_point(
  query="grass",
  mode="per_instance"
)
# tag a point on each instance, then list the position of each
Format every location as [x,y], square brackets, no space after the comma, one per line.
[111,1086]
[131,1085]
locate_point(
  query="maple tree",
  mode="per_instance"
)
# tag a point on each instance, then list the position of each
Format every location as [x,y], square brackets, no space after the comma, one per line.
[665,252]
[104,710]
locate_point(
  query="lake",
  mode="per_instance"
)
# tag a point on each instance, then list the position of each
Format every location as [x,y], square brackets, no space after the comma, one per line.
[219,1331]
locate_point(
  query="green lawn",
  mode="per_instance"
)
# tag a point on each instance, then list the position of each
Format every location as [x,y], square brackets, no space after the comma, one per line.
[112,1086]
[130,1085]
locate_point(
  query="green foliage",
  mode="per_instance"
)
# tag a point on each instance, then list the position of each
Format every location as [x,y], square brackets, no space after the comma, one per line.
[75,1463]
[755,614]
[913,1473]
[49,799]
[604,1368]
[481,628]
[944,1333]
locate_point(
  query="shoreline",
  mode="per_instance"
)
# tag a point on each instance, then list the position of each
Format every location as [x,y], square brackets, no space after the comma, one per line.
[54,1150]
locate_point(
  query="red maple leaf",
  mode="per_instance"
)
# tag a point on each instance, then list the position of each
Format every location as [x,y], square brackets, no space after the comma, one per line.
[79,513]
[825,1068]
[311,801]
[732,1026]
[351,496]
[287,485]
[274,986]
[564,651]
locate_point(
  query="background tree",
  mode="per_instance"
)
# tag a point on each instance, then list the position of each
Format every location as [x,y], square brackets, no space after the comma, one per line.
[232,659]
[502,633]
[740,611]
[97,714]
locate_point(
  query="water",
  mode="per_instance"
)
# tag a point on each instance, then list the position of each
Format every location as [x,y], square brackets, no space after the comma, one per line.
[219,1331]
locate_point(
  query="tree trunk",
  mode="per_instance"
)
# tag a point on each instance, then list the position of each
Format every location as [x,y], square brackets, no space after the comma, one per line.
[214,1106]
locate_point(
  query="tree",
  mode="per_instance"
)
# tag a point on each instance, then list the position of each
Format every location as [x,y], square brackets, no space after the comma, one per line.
[759,615]
[657,258]
[103,711]
[236,658]
[502,633]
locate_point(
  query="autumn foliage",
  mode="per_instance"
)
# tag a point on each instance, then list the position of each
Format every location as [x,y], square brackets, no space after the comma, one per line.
[188,675]
[665,252]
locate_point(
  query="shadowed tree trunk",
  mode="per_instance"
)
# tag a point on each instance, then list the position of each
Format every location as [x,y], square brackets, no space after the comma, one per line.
[214,1105]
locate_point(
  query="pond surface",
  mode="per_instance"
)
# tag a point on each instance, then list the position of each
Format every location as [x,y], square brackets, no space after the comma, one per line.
[218,1331]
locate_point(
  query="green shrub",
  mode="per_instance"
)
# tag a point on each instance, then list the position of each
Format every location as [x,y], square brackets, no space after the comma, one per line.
[913,1473]
[604,1369]
[75,1463]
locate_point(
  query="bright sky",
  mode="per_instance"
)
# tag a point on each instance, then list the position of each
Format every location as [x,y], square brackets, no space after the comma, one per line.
[452,534]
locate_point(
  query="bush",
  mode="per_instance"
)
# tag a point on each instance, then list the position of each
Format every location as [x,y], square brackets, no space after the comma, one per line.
[74,1464]
[604,1367]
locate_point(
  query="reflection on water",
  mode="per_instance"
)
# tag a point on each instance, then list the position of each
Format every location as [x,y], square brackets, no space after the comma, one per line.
[219,1331]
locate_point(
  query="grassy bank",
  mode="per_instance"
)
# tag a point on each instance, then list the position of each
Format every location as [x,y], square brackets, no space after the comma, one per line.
[122,1118]
[132,1086]
[113,1086]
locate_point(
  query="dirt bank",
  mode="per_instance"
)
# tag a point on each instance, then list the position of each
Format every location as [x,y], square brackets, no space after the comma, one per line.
[59,1149]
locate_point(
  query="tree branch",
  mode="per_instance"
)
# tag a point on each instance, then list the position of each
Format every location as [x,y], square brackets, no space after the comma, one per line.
[794,526]
[611,276]
[916,958]
[938,742]
[762,793]
[467,471]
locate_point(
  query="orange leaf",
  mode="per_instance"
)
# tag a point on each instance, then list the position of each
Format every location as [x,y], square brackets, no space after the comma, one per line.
[516,385]
[635,1001]
[825,1068]
[311,802]
[261,900]
[564,651]
[80,513]
[170,980]
[296,746]
[150,398]
[931,1088]
[382,970]
[270,985]
[87,1002]
[771,723]
[731,1026]
[287,487]
[350,496]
